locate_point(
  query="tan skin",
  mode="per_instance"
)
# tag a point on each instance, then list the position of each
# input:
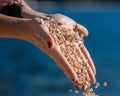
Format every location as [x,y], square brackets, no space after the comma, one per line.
[29,29]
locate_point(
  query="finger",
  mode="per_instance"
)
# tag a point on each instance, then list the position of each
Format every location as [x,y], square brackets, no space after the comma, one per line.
[81,29]
[91,75]
[89,70]
[88,57]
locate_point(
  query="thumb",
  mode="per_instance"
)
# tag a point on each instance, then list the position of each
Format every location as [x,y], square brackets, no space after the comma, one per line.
[44,35]
[81,29]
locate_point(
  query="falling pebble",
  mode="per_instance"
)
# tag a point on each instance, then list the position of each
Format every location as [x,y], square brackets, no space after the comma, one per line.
[76,91]
[105,84]
[97,85]
[70,90]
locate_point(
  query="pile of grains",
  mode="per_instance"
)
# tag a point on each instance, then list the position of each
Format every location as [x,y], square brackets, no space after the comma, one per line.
[69,43]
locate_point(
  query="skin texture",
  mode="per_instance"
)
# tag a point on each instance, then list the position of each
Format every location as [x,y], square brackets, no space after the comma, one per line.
[31,29]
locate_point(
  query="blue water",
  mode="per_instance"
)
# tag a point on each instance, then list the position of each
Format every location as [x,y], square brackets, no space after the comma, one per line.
[26,71]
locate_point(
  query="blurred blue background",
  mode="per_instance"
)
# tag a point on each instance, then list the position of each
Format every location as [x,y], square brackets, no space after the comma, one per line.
[27,71]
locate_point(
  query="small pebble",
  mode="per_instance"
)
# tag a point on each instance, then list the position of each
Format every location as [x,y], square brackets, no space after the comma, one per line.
[76,91]
[97,85]
[70,90]
[105,84]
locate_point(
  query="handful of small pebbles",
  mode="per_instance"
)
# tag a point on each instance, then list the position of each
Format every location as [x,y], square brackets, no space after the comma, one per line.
[69,42]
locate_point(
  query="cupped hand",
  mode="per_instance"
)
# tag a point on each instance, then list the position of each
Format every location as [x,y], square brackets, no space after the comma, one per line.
[40,37]
[71,24]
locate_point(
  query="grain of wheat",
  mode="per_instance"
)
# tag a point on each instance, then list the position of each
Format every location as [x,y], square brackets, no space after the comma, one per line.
[97,85]
[70,90]
[105,84]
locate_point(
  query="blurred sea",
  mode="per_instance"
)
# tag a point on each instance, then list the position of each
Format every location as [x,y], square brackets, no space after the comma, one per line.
[26,71]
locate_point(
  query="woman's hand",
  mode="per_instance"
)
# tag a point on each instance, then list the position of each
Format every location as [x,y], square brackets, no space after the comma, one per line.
[33,28]
[71,24]
[41,38]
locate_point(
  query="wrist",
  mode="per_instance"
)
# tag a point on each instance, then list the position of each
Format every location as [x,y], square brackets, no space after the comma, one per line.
[12,27]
